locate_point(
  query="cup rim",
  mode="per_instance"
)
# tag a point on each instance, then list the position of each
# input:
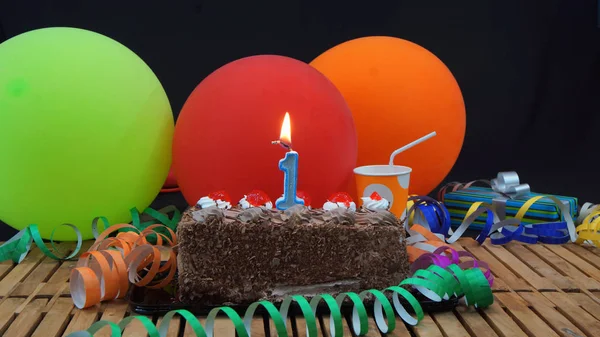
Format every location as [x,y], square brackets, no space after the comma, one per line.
[401,170]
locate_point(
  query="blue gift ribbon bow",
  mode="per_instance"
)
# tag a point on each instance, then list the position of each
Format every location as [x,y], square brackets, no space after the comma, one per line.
[508,183]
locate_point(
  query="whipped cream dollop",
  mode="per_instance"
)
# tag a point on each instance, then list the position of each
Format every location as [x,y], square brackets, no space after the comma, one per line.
[206,202]
[219,199]
[328,205]
[375,202]
[245,204]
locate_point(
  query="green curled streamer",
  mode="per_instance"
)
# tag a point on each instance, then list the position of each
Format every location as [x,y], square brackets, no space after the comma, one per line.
[447,282]
[464,282]
[485,297]
[452,280]
[234,317]
[381,303]
[280,324]
[40,243]
[114,328]
[105,225]
[335,317]
[160,215]
[191,320]
[146,322]
[360,322]
[402,312]
[307,312]
[18,246]
[429,288]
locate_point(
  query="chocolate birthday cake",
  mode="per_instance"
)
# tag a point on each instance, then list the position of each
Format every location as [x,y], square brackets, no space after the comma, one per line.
[250,252]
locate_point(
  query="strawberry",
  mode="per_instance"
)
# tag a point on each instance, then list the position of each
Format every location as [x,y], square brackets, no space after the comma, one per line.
[375,196]
[257,198]
[219,195]
[304,196]
[341,197]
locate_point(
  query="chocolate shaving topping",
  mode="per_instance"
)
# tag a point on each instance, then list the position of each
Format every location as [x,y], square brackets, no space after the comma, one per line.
[255,215]
[295,215]
[339,216]
[209,216]
[378,218]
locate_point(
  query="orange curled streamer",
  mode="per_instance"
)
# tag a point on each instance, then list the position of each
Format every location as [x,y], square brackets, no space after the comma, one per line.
[107,269]
[426,242]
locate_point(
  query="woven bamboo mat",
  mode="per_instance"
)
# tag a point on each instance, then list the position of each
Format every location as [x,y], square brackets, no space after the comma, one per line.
[540,290]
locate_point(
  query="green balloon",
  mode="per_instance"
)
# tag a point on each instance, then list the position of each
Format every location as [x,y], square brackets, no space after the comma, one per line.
[85,131]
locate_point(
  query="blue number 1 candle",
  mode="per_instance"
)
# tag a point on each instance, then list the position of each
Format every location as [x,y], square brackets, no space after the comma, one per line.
[289,166]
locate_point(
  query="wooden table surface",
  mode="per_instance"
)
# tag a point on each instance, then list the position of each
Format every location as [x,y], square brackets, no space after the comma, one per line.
[540,290]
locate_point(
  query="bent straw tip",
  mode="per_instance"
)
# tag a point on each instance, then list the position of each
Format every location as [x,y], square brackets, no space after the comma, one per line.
[410,145]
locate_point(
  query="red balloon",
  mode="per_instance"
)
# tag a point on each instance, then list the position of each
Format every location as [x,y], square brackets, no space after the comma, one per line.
[170,184]
[171,180]
[223,135]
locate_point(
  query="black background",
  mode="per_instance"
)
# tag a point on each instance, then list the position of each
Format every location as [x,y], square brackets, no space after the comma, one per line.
[529,70]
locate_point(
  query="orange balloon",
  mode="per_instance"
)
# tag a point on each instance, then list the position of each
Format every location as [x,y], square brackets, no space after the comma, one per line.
[398,92]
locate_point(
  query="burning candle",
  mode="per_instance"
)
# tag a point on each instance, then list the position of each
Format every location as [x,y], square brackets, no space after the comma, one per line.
[289,166]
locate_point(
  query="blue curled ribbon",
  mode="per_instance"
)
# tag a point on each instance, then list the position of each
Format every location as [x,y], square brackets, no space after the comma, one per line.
[503,231]
[435,213]
[551,232]
[499,231]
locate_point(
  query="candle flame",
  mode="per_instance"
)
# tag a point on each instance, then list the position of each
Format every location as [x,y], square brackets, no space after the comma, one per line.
[286,131]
